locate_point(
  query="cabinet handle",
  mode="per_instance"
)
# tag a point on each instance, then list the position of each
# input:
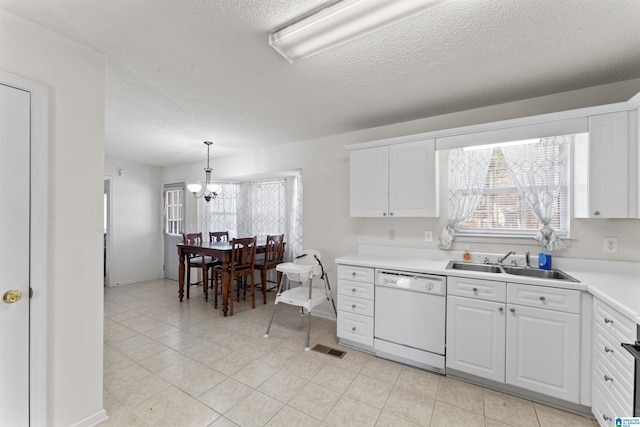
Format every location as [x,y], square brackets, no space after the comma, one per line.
[596,213]
[604,416]
[500,309]
[608,378]
[513,310]
[353,328]
[475,289]
[607,320]
[542,298]
[607,349]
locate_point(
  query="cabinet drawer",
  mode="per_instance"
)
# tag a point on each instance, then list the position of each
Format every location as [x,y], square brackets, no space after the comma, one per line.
[475,288]
[357,274]
[355,289]
[609,348]
[610,382]
[619,326]
[355,328]
[557,299]
[605,409]
[355,305]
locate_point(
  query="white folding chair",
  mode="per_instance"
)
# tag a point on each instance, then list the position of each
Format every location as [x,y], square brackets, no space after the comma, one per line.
[306,295]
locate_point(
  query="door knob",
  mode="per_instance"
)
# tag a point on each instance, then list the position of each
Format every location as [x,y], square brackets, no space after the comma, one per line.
[12,296]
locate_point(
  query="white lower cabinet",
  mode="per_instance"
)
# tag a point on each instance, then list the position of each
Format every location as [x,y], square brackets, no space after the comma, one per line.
[355,306]
[528,336]
[543,351]
[476,337]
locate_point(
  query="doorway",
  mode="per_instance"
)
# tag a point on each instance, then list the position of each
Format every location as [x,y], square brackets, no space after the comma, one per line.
[107,230]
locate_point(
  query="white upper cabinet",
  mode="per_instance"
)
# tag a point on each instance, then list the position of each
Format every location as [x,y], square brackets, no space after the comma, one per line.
[604,167]
[398,180]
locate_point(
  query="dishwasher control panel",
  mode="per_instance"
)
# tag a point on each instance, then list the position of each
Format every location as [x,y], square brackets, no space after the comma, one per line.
[415,282]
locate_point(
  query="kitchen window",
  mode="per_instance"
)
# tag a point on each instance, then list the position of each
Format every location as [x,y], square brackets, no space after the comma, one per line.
[517,189]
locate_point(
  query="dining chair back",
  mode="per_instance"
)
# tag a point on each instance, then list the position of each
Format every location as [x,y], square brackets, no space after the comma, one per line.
[243,256]
[218,236]
[273,255]
[198,262]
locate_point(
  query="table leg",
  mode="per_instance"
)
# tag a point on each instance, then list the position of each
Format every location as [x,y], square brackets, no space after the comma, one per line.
[181,275]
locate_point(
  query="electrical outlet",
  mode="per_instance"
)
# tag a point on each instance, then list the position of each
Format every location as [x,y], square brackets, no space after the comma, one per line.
[428,236]
[610,245]
[392,234]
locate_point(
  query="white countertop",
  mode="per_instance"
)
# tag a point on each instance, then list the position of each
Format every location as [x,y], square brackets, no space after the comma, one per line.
[616,283]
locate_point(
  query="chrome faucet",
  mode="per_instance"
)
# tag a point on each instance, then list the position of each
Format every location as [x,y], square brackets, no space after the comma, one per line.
[501,260]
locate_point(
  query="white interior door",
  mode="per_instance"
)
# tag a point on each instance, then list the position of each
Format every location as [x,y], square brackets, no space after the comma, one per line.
[174,214]
[14,255]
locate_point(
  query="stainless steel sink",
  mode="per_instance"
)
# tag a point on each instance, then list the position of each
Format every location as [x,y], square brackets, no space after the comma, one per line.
[542,274]
[485,268]
[517,271]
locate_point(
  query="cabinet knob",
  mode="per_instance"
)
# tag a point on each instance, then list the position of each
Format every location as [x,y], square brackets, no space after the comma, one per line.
[607,349]
[596,213]
[500,309]
[353,274]
[353,328]
[542,298]
[353,290]
[513,310]
[608,378]
[390,213]
[605,417]
[384,214]
[606,320]
[475,289]
[353,306]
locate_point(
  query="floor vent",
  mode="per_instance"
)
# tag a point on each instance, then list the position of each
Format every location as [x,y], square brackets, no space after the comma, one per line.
[328,350]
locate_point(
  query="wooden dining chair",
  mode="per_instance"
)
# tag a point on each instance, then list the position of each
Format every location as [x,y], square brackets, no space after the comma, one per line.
[216,237]
[243,256]
[203,263]
[273,255]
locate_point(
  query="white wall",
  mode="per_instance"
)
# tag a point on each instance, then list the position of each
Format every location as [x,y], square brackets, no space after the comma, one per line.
[136,221]
[75,76]
[325,166]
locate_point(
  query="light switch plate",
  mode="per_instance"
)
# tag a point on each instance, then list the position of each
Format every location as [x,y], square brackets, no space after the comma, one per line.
[610,245]
[428,236]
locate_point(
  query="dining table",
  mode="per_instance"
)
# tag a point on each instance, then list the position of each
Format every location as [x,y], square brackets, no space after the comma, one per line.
[219,250]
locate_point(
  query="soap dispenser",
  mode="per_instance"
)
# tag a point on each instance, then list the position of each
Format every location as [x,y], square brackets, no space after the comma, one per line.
[466,255]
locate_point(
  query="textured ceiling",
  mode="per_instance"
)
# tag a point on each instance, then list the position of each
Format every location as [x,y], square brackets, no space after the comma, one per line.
[181,72]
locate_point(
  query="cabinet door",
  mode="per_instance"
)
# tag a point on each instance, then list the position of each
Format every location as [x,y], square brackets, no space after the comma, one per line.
[413,179]
[543,351]
[369,182]
[476,337]
[602,178]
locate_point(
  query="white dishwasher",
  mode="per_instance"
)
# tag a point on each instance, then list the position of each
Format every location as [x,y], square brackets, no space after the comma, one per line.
[410,314]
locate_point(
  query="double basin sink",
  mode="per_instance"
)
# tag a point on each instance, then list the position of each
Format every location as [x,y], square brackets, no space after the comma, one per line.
[518,271]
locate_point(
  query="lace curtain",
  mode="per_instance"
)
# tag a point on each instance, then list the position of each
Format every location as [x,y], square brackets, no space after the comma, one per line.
[539,172]
[294,239]
[467,176]
[266,209]
[225,211]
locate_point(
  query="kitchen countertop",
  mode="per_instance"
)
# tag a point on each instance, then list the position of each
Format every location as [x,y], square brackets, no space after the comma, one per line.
[614,282]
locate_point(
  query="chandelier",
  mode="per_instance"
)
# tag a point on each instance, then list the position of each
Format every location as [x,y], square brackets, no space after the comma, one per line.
[208,192]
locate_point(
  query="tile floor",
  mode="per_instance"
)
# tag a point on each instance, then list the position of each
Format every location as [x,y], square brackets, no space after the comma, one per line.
[182,364]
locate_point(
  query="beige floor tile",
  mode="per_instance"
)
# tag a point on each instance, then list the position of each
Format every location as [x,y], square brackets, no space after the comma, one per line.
[278,357]
[509,409]
[353,360]
[406,404]
[334,378]
[448,415]
[383,370]
[223,422]
[548,416]
[288,417]
[131,394]
[200,381]
[177,372]
[352,412]
[231,362]
[305,365]
[493,423]
[463,395]
[225,395]
[368,390]
[315,400]
[388,420]
[418,381]
[254,411]
[191,414]
[123,419]
[160,405]
[282,386]
[255,374]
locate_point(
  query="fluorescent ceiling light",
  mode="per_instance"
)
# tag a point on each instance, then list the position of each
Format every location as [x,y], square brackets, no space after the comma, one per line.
[341,22]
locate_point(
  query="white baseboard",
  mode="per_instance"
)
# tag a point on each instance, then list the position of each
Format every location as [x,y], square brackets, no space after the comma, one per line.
[136,280]
[93,420]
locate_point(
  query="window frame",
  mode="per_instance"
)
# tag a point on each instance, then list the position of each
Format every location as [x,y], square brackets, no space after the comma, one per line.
[179,208]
